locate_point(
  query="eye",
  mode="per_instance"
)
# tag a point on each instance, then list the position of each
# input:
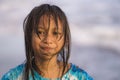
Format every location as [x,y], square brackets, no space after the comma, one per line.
[41,32]
[56,33]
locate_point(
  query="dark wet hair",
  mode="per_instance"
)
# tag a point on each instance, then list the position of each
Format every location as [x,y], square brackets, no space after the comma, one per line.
[31,23]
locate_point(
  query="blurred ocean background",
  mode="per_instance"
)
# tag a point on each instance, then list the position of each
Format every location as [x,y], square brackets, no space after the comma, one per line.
[95,29]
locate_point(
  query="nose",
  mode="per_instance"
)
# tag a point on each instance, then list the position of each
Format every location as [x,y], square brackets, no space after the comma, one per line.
[48,39]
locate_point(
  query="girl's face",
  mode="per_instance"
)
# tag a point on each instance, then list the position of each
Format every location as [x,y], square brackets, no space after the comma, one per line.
[49,40]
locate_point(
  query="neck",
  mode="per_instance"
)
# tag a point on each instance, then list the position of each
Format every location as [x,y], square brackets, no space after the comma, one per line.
[48,67]
[48,64]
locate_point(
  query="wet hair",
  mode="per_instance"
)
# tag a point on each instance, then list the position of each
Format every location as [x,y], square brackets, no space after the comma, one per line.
[31,23]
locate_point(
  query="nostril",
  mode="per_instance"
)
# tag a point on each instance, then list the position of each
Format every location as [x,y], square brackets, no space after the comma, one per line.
[47,40]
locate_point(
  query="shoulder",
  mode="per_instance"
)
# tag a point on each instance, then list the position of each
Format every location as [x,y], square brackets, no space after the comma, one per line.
[77,73]
[13,73]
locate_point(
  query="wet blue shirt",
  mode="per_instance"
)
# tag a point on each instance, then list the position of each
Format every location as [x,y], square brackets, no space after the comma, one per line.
[74,73]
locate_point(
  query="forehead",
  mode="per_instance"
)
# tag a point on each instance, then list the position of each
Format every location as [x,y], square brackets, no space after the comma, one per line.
[48,21]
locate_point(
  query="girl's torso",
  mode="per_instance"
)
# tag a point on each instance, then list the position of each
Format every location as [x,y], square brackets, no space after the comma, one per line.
[74,73]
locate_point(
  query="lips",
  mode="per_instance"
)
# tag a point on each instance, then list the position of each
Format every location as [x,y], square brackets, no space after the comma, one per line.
[46,48]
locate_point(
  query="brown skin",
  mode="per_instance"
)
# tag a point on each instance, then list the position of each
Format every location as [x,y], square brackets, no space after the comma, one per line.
[47,46]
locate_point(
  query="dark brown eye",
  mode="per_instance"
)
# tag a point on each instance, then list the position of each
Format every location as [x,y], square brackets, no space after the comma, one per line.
[55,33]
[41,32]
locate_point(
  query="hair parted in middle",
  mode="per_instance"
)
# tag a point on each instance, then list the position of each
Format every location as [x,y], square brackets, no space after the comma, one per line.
[31,24]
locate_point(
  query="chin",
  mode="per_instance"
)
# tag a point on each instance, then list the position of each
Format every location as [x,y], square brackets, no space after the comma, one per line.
[47,55]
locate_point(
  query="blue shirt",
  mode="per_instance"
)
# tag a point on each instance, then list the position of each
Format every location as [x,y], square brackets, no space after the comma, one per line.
[74,73]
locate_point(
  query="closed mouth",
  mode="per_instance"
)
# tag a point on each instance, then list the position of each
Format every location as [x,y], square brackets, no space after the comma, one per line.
[46,48]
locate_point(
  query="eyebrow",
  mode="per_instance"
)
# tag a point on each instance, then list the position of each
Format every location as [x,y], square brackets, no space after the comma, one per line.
[42,27]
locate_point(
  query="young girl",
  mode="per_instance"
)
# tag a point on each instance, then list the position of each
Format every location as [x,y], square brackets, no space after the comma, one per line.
[47,45]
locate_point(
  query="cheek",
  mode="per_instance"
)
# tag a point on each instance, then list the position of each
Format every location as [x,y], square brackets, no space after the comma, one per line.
[60,44]
[35,44]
